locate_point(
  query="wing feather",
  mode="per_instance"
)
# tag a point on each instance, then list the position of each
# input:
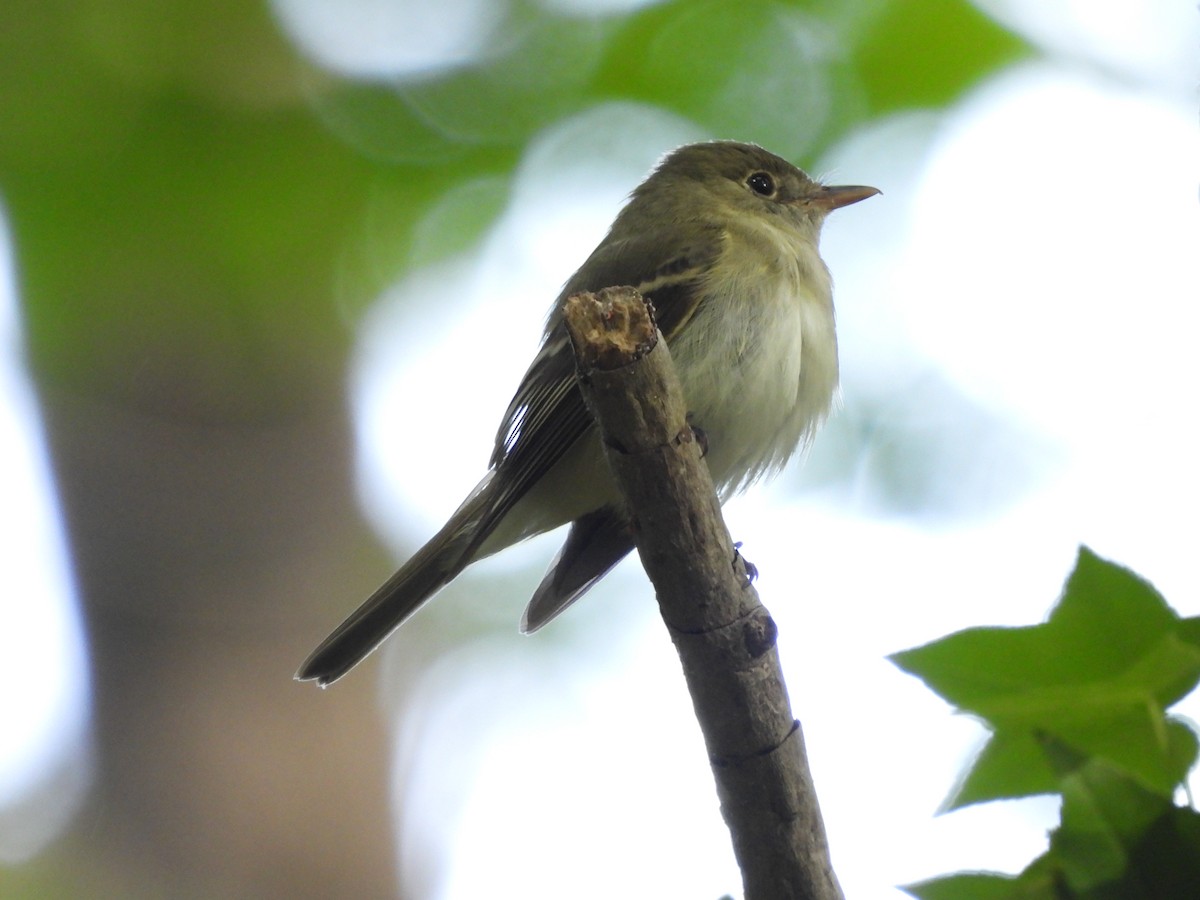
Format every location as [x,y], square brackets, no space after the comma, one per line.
[547,414]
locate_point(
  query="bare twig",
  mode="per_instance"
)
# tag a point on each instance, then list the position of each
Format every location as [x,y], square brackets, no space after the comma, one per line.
[724,636]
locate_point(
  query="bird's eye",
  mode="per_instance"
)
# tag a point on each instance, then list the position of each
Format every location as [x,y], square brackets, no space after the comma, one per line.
[761,183]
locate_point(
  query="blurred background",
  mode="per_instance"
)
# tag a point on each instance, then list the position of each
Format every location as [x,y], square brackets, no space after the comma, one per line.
[269,273]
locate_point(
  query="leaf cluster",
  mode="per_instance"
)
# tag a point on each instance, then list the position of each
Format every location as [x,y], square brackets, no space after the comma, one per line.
[1078,707]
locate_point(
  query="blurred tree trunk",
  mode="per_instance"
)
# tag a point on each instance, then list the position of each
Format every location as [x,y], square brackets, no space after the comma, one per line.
[207,555]
[179,218]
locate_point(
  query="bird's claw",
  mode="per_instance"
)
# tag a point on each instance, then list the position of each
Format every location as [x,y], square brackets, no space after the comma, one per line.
[699,435]
[751,568]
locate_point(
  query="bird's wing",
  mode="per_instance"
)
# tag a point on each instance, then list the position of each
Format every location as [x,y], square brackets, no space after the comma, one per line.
[547,414]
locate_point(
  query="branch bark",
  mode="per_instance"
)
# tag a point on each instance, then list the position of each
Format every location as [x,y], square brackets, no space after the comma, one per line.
[724,636]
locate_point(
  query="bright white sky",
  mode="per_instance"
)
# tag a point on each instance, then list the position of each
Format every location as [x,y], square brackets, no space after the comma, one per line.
[1035,250]
[44,710]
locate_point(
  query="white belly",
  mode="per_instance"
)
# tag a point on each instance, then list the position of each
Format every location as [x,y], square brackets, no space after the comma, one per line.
[759,372]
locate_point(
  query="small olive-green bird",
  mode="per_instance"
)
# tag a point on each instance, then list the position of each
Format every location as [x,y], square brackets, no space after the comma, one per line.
[722,238]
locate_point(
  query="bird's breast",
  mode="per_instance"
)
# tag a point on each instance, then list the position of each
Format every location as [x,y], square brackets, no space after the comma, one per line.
[758,361]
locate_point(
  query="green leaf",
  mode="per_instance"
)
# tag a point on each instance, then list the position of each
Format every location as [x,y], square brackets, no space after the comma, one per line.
[983,886]
[1010,765]
[1166,860]
[1098,675]
[1109,625]
[1013,763]
[1157,751]
[1189,630]
[1116,842]
[1109,617]
[1105,815]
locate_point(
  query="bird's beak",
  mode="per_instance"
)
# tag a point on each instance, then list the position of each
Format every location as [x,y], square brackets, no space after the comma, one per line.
[829,197]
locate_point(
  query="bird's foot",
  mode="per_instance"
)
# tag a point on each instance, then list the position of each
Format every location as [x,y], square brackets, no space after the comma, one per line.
[699,435]
[751,568]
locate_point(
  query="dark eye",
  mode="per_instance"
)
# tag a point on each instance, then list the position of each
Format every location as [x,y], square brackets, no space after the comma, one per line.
[761,183]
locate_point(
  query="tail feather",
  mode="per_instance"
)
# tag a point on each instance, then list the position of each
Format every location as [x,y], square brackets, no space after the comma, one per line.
[597,542]
[433,566]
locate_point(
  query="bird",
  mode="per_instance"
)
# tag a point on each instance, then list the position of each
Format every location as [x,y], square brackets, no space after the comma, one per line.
[722,238]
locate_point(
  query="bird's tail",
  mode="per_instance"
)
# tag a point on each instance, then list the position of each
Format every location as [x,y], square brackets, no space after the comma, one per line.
[432,567]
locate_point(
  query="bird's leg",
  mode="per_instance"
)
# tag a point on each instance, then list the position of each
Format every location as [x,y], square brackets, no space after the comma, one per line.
[751,568]
[700,436]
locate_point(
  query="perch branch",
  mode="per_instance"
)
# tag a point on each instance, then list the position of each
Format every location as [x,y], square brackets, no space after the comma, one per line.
[724,636]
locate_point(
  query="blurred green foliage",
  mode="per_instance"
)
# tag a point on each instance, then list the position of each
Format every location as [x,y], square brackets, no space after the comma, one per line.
[915,53]
[190,198]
